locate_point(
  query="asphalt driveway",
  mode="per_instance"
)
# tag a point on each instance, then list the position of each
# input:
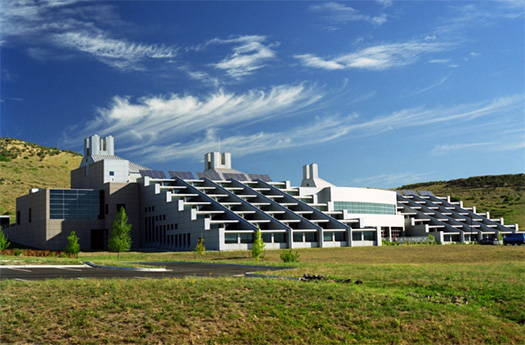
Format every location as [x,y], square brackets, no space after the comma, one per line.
[173,270]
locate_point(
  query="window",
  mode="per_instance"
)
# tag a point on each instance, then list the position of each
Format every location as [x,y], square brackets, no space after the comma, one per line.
[230,238]
[365,207]
[279,237]
[356,236]
[111,173]
[246,238]
[75,204]
[310,236]
[340,236]
[327,236]
[267,237]
[298,236]
[369,236]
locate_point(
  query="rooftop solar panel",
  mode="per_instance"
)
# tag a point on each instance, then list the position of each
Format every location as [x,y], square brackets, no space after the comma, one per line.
[212,175]
[236,176]
[159,174]
[185,175]
[200,175]
[265,178]
[410,192]
[398,192]
[426,192]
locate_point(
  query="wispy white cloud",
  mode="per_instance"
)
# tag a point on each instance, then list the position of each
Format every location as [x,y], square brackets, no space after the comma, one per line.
[161,119]
[47,25]
[477,14]
[117,53]
[337,14]
[249,55]
[380,57]
[431,86]
[186,126]
[395,179]
[447,148]
[385,3]
[439,61]
[317,132]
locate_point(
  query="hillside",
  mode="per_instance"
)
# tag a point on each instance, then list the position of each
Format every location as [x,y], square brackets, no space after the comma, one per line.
[501,195]
[25,165]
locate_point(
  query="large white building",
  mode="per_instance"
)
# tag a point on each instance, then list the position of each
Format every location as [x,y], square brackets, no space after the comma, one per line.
[226,207]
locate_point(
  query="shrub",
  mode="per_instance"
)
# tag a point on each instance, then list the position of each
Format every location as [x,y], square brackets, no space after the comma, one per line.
[72,247]
[4,243]
[18,252]
[258,245]
[289,256]
[199,248]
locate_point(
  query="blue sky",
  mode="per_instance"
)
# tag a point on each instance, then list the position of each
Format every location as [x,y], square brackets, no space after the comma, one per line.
[378,93]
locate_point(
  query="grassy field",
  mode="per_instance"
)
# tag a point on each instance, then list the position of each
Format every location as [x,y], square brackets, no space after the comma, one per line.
[458,294]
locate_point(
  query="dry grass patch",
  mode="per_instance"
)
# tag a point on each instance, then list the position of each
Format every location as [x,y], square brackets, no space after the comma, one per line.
[402,301]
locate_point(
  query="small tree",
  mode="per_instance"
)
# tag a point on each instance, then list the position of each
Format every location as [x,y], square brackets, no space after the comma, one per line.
[199,248]
[4,243]
[258,245]
[72,247]
[120,240]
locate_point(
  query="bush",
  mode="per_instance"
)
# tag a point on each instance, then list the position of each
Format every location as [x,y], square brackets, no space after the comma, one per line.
[4,243]
[199,248]
[72,247]
[18,252]
[289,256]
[258,245]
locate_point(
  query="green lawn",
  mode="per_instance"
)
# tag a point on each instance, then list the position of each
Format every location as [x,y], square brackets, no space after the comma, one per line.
[460,294]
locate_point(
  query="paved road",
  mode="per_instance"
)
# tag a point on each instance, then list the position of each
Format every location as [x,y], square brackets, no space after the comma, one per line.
[173,270]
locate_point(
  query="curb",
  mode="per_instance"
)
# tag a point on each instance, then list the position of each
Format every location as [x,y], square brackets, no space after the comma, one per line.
[90,264]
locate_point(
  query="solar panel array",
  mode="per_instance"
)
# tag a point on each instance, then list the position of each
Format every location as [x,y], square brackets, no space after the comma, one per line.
[265,178]
[185,175]
[426,192]
[236,176]
[212,175]
[410,192]
[152,173]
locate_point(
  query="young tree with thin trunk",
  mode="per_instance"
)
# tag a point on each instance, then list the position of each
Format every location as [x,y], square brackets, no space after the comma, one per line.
[258,245]
[120,240]
[72,247]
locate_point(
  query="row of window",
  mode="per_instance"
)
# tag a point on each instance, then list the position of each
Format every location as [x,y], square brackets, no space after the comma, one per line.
[365,207]
[157,233]
[392,232]
[281,237]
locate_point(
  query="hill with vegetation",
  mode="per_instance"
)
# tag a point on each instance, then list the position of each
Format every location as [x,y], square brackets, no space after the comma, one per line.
[25,165]
[501,195]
